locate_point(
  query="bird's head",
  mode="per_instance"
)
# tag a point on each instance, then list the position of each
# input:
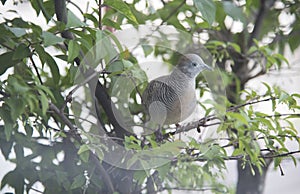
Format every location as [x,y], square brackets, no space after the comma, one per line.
[191,65]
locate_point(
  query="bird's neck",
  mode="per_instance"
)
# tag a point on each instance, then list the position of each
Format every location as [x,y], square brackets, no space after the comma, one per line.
[178,78]
[177,74]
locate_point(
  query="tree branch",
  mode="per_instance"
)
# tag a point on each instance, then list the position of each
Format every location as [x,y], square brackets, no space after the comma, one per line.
[57,111]
[111,111]
[259,20]
[61,13]
[202,122]
[240,157]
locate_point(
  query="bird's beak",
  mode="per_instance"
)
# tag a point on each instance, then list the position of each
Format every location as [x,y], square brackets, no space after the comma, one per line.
[206,67]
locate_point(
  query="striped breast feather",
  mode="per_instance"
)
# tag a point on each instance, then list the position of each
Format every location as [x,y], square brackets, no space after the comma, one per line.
[159,91]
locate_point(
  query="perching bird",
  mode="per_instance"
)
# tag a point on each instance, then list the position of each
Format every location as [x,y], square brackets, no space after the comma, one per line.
[171,99]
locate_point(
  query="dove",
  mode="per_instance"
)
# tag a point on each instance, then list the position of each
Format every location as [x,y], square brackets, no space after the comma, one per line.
[171,99]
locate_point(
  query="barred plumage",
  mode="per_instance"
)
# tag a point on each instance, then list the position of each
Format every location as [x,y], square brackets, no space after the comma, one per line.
[171,99]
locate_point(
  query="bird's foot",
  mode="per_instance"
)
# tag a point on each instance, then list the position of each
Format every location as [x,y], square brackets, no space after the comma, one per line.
[198,129]
[159,136]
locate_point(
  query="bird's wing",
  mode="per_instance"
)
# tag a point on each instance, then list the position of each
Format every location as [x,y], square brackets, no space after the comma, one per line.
[159,90]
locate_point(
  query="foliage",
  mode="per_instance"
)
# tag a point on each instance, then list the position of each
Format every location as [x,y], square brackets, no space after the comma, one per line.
[39,68]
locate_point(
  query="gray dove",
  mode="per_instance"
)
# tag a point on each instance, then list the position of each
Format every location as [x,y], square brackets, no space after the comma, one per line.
[171,99]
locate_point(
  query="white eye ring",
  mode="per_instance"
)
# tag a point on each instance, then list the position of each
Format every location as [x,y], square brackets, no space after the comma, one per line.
[194,64]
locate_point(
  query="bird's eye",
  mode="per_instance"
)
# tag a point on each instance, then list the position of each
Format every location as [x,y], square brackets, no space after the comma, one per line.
[194,64]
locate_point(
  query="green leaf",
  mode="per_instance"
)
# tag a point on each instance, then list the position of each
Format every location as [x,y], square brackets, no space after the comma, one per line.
[16,85]
[78,181]
[53,68]
[73,49]
[50,39]
[281,58]
[296,95]
[238,117]
[277,161]
[111,23]
[35,6]
[6,61]
[207,9]
[234,11]
[47,58]
[74,21]
[294,159]
[15,179]
[99,152]
[17,106]
[5,146]
[92,18]
[147,49]
[18,32]
[235,46]
[28,129]
[48,9]
[21,52]
[237,152]
[44,102]
[140,175]
[283,97]
[269,90]
[121,7]
[83,148]
[9,127]
[46,90]
[294,41]
[266,122]
[164,170]
[84,153]
[8,122]
[85,156]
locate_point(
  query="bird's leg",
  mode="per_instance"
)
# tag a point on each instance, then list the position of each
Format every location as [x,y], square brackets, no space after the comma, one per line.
[177,126]
[158,134]
[202,124]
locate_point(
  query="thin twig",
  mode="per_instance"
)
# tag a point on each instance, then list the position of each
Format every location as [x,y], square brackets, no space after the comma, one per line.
[280,155]
[281,115]
[77,7]
[195,124]
[54,108]
[281,170]
[239,157]
[36,70]
[6,46]
[69,96]
[172,12]
[192,189]
[100,15]
[36,190]
[136,87]
[249,103]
